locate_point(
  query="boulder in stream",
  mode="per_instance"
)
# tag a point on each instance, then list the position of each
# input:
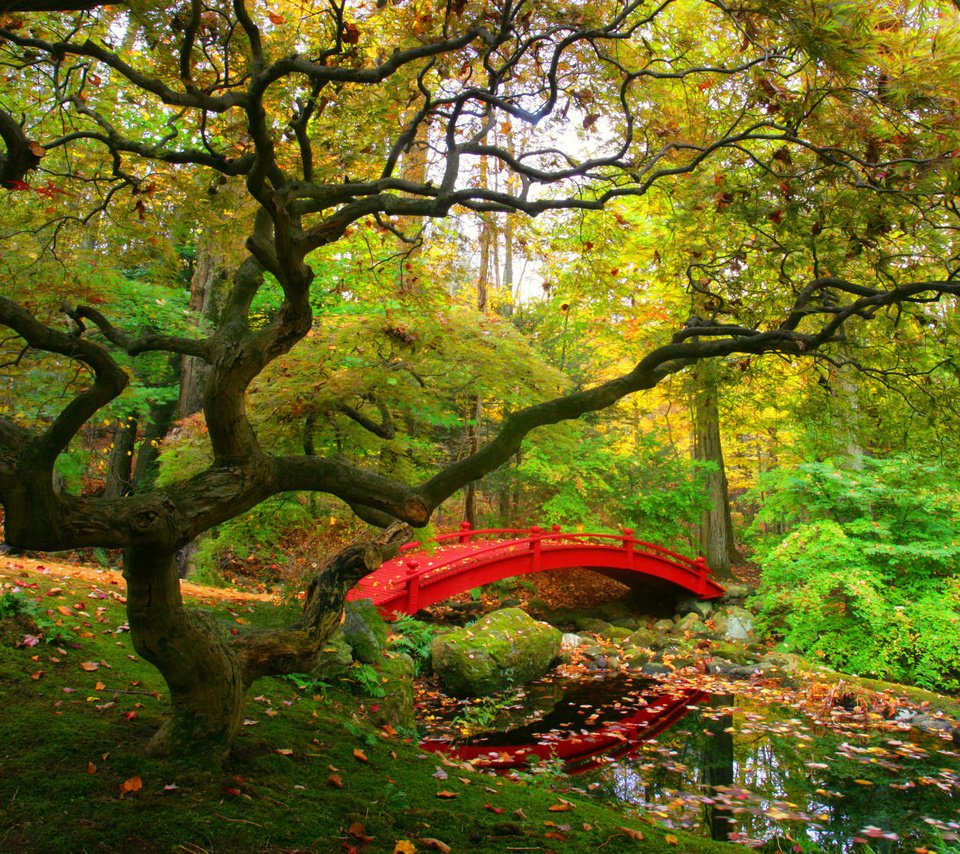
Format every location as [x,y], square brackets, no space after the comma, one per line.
[502,649]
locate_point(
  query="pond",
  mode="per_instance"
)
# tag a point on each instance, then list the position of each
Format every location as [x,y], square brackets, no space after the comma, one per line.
[734,766]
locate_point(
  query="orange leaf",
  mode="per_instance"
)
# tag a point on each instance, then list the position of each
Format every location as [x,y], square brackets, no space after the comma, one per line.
[134,784]
[404,846]
[446,794]
[670,839]
[436,844]
[633,834]
[89,666]
[554,834]
[99,686]
[91,768]
[563,806]
[496,810]
[275,18]
[36,674]
[66,610]
[360,755]
[284,751]
[334,780]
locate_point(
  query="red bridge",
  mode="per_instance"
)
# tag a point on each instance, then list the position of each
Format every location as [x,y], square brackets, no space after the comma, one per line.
[468,558]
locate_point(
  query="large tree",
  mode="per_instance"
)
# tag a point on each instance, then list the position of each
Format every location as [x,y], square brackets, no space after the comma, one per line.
[122,109]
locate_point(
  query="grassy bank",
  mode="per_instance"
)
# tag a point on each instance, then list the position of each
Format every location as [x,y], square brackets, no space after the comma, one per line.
[309,774]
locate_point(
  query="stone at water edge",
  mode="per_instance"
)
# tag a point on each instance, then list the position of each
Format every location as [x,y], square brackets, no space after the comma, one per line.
[665,625]
[502,649]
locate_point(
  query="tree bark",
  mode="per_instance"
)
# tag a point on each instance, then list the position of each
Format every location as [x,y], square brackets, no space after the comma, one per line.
[716,527]
[208,670]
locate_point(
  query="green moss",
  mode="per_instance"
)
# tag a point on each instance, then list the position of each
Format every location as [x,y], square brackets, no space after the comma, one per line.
[502,649]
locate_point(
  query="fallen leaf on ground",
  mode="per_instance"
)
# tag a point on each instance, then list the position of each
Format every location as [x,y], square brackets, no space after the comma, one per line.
[633,834]
[89,666]
[436,844]
[446,794]
[133,784]
[360,755]
[334,780]
[404,846]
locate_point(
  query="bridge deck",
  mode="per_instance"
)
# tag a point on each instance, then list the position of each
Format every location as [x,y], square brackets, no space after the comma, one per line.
[469,558]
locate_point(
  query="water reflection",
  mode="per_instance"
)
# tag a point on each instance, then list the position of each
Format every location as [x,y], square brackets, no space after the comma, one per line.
[729,767]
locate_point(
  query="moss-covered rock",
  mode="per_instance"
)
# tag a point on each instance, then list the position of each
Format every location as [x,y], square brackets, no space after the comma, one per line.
[502,649]
[335,657]
[396,679]
[365,630]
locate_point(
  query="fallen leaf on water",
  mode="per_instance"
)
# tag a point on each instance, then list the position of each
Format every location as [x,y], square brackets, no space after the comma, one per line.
[134,784]
[360,755]
[436,844]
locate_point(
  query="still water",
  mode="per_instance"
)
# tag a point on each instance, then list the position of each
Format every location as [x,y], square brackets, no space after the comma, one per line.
[735,767]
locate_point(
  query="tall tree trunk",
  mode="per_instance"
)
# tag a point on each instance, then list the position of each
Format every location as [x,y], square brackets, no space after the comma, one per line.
[207,669]
[716,527]
[120,465]
[846,405]
[207,289]
[159,422]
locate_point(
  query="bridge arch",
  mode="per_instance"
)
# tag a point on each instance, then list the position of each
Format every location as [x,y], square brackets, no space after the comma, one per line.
[470,558]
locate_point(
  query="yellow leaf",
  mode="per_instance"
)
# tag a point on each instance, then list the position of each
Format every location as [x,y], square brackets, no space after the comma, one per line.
[670,839]
[404,846]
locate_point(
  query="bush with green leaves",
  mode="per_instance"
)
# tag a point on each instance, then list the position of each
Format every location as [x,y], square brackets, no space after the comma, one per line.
[868,579]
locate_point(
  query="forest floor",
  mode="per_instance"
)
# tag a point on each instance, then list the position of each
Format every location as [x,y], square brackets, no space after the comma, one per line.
[310,773]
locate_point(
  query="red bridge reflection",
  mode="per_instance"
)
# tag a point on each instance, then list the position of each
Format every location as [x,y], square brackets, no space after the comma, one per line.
[581,734]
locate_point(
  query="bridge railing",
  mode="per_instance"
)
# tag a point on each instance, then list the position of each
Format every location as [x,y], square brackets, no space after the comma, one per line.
[535,538]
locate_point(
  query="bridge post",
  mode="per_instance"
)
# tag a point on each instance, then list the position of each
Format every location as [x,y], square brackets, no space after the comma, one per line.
[413,587]
[536,533]
[700,562]
[465,535]
[628,542]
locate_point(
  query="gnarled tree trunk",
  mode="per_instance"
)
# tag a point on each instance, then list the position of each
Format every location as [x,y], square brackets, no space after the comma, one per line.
[208,669]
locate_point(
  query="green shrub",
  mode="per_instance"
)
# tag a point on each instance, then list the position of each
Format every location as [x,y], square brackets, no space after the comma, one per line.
[867,580]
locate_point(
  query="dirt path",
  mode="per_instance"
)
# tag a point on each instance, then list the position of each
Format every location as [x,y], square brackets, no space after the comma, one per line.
[13,568]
